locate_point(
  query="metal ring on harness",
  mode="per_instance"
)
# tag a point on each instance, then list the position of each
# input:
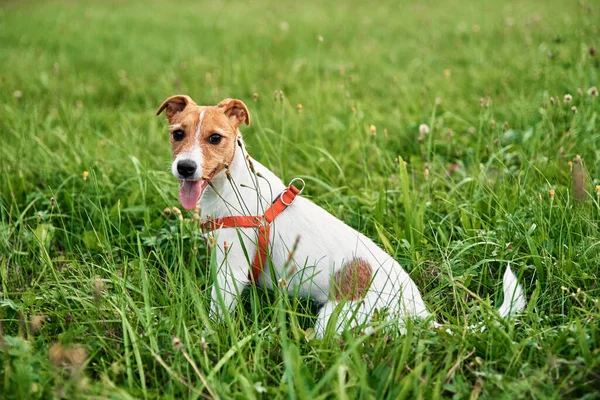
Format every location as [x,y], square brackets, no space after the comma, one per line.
[291,184]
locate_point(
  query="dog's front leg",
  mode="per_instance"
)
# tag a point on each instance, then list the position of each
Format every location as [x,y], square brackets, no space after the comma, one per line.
[227,287]
[222,301]
[230,279]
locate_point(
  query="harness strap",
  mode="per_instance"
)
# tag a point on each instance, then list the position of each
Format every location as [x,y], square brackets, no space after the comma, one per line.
[263,223]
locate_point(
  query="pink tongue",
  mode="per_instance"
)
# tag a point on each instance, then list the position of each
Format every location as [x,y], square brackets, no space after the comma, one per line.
[190,192]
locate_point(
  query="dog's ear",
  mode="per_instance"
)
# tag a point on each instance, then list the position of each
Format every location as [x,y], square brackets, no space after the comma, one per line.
[175,104]
[236,111]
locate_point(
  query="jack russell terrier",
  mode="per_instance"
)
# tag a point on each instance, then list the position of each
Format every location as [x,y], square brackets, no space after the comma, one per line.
[269,235]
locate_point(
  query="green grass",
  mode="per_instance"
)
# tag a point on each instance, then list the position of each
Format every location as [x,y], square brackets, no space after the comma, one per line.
[109,271]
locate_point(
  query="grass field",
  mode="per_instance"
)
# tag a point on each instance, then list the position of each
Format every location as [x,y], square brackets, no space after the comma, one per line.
[104,296]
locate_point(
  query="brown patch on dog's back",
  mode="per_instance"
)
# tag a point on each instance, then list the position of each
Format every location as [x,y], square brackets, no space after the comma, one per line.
[351,281]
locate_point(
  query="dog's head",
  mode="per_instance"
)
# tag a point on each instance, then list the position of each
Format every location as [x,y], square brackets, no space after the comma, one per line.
[203,141]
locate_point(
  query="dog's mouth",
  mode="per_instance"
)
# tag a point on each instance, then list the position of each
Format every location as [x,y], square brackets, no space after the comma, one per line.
[190,192]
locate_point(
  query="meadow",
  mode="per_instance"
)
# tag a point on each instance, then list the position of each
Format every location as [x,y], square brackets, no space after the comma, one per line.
[459,135]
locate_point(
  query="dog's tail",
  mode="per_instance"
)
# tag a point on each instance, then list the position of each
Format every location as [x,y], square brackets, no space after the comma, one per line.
[514,297]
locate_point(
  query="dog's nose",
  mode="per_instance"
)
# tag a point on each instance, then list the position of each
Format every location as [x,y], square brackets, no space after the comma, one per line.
[186,168]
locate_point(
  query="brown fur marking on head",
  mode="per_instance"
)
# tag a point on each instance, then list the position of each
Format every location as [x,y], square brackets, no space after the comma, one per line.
[236,111]
[351,281]
[199,123]
[186,120]
[175,104]
[217,156]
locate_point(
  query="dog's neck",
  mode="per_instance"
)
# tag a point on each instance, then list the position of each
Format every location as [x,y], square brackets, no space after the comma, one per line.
[250,190]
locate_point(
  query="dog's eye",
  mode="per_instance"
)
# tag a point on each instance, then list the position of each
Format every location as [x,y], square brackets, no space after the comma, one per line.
[215,138]
[178,134]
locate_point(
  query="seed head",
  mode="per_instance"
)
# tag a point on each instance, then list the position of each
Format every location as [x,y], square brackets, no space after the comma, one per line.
[36,322]
[593,91]
[299,107]
[282,283]
[278,95]
[70,357]
[426,174]
[579,178]
[98,290]
[85,175]
[579,91]
[56,353]
[570,166]
[17,94]
[552,193]
[567,98]
[255,96]
[77,355]
[597,190]
[291,270]
[385,132]
[203,344]
[167,211]
[290,257]
[574,110]
[373,130]
[179,214]
[250,164]
[423,129]
[177,343]
[493,123]
[447,73]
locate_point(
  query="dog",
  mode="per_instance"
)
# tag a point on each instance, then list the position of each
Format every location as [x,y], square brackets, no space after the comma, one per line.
[266,234]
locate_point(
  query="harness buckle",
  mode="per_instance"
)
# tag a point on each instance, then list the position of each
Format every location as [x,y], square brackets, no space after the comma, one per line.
[299,191]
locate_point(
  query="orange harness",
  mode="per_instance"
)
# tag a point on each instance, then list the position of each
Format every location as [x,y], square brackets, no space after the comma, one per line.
[262,222]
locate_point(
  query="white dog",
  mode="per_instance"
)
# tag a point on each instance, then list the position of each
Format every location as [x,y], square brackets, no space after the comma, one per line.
[266,234]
